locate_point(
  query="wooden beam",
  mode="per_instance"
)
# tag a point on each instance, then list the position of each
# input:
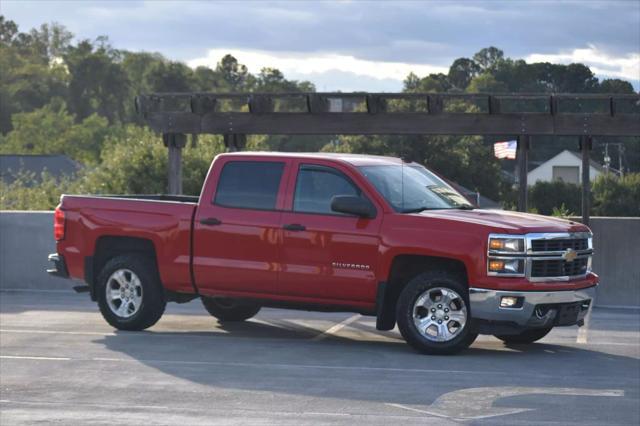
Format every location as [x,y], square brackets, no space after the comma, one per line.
[394,123]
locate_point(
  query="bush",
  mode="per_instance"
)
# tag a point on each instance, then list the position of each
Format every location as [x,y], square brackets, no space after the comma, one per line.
[614,196]
[545,197]
[30,192]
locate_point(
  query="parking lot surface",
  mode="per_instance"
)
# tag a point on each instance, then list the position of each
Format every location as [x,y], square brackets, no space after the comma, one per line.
[61,363]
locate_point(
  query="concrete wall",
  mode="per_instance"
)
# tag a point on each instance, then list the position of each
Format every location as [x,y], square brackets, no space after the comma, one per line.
[26,238]
[616,241]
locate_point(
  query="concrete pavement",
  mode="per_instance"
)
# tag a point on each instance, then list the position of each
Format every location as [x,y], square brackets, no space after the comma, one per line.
[61,363]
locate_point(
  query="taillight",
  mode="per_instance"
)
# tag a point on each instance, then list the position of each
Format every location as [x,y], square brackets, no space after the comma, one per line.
[58,224]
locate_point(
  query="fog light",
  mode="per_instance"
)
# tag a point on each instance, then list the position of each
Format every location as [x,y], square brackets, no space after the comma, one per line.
[509,302]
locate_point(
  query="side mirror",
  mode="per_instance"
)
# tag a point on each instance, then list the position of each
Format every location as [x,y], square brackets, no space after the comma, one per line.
[350,204]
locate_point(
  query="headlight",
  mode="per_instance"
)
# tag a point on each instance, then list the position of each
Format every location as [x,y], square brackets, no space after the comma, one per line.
[500,244]
[507,267]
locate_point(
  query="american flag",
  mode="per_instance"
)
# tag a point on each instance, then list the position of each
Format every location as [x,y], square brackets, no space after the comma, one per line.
[505,149]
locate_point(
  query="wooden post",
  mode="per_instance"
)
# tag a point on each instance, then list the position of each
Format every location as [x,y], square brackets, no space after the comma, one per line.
[174,142]
[585,147]
[234,141]
[522,157]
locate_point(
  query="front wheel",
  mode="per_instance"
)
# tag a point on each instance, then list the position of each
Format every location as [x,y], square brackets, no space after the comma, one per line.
[527,336]
[433,314]
[230,310]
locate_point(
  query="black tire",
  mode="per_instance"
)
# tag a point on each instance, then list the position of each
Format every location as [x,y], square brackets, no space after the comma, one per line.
[230,310]
[152,300]
[414,289]
[527,336]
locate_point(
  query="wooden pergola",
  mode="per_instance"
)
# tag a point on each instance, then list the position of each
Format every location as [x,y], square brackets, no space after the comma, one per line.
[584,116]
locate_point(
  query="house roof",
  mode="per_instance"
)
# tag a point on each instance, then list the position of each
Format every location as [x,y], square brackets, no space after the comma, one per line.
[576,155]
[56,164]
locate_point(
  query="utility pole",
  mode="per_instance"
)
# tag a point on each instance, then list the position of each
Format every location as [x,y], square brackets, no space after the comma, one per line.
[620,154]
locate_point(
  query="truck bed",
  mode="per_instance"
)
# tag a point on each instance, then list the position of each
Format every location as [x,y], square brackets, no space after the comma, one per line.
[162,220]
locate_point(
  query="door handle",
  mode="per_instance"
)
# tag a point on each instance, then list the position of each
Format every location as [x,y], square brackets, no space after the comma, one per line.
[211,221]
[294,227]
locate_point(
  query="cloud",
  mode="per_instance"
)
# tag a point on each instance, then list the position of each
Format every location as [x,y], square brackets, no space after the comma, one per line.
[360,38]
[601,63]
[291,63]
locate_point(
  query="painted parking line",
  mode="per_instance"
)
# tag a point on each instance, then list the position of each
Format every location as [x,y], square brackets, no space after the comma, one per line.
[35,358]
[215,332]
[337,327]
[478,403]
[73,333]
[254,365]
[239,412]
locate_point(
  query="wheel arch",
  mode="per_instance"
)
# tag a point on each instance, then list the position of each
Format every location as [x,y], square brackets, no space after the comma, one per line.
[107,247]
[403,268]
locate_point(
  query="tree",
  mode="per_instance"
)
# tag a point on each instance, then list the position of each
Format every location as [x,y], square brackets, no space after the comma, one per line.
[234,73]
[52,130]
[615,85]
[169,77]
[208,80]
[488,57]
[462,71]
[31,73]
[575,78]
[614,196]
[438,83]
[486,83]
[98,83]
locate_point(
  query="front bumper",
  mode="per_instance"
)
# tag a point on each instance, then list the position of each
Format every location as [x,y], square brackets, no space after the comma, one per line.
[536,308]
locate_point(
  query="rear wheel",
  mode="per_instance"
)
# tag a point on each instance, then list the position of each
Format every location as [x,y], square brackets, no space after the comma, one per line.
[527,336]
[230,310]
[129,293]
[433,314]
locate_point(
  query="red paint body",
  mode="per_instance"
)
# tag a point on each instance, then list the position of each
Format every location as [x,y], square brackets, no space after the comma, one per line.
[250,254]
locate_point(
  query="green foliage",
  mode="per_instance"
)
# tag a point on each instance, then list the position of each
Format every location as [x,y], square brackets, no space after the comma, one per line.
[31,192]
[547,196]
[98,83]
[562,211]
[136,163]
[614,196]
[59,95]
[486,83]
[610,195]
[52,130]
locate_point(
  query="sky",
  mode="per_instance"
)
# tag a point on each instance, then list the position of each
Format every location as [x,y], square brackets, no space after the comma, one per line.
[356,45]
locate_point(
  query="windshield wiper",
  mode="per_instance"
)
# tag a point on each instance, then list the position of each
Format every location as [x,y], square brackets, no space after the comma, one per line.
[464,207]
[421,209]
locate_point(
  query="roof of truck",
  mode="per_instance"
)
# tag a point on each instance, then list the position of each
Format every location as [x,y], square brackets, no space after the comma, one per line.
[354,159]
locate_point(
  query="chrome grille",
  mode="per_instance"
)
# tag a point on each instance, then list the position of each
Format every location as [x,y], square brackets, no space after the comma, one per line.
[558,267]
[560,244]
[548,258]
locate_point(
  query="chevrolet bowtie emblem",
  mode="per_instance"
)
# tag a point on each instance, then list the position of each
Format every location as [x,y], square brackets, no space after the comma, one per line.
[570,255]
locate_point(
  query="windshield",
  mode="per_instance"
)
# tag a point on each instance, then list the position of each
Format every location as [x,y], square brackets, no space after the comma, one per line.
[413,188]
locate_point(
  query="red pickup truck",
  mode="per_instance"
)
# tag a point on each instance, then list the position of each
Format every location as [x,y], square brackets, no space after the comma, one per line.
[332,232]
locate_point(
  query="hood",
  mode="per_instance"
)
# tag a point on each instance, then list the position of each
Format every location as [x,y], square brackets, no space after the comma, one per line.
[508,222]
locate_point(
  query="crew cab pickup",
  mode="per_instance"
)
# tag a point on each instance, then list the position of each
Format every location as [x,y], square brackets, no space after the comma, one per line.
[332,232]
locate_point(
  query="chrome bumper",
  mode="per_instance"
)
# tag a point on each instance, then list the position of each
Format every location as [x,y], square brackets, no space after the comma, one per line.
[538,309]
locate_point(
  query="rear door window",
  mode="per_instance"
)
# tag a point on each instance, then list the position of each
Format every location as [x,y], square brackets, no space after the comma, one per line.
[249,184]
